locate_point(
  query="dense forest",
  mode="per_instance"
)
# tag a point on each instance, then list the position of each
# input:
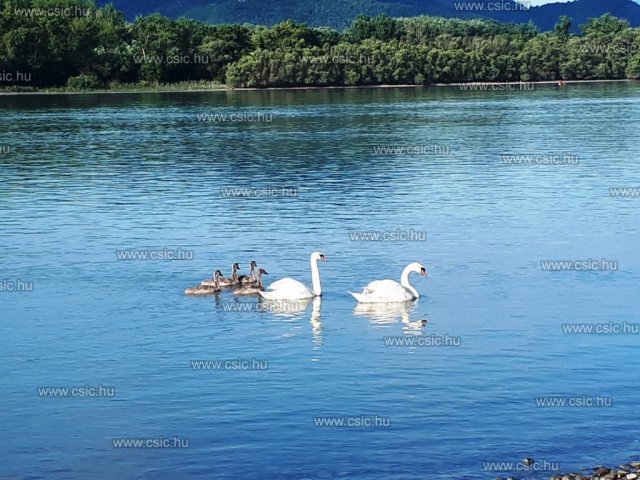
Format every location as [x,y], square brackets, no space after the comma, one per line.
[76,45]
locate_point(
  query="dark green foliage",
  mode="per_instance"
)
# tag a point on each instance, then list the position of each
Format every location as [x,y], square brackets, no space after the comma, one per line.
[381,27]
[563,27]
[84,82]
[85,47]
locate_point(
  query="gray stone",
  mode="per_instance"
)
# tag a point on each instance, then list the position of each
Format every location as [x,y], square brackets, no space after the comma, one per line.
[632,476]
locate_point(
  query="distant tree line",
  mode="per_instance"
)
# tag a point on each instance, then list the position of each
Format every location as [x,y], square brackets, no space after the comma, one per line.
[73,43]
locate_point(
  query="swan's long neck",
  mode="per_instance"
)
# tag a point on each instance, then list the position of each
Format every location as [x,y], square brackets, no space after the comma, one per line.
[315,278]
[234,273]
[259,279]
[252,273]
[404,281]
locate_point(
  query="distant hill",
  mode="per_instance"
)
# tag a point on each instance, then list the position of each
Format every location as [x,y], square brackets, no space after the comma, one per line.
[340,13]
[580,11]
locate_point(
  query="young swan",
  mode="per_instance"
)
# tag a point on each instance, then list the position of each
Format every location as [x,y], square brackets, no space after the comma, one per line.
[252,289]
[222,281]
[250,279]
[201,290]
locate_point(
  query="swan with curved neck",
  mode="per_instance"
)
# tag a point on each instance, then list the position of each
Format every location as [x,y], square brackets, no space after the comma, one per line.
[290,289]
[252,289]
[390,291]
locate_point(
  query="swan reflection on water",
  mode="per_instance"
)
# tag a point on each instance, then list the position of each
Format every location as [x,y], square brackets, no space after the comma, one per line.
[284,308]
[316,323]
[390,313]
[293,309]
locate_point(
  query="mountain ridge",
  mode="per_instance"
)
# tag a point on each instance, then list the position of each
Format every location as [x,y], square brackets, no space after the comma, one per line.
[339,13]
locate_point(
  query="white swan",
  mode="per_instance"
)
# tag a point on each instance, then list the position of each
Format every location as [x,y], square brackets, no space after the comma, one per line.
[290,289]
[390,291]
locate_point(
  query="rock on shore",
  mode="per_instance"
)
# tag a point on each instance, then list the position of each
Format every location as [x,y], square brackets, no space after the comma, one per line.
[629,471]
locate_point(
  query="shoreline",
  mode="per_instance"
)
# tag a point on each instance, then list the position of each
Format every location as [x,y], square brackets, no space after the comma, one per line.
[627,471]
[337,87]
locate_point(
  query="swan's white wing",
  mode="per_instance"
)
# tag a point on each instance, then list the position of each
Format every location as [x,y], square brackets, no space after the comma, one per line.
[360,297]
[382,285]
[286,283]
[287,288]
[380,291]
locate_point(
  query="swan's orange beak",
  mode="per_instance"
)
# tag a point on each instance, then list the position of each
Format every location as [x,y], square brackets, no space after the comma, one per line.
[423,272]
[324,258]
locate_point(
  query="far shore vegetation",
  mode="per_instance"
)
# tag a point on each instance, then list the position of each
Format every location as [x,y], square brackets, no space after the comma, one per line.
[72,45]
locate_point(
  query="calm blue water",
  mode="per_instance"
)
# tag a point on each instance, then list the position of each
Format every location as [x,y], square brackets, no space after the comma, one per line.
[85,176]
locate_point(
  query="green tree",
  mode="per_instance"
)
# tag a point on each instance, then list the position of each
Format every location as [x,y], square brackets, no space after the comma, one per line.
[563,26]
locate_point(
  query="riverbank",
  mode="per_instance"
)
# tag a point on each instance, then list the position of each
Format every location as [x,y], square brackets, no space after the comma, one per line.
[178,88]
[628,471]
